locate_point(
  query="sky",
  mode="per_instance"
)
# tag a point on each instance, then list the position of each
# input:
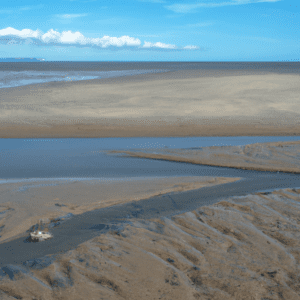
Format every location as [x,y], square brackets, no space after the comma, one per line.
[151,30]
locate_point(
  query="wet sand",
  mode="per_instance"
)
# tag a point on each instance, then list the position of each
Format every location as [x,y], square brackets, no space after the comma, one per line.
[274,157]
[178,103]
[246,247]
[22,205]
[243,248]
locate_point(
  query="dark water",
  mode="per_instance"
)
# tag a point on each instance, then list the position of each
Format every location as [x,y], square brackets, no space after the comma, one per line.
[292,67]
[88,158]
[14,74]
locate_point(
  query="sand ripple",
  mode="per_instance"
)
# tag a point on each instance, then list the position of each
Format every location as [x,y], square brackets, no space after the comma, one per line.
[243,248]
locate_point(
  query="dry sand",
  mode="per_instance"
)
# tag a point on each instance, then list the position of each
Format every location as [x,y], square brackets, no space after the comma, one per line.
[276,156]
[23,204]
[244,248]
[167,104]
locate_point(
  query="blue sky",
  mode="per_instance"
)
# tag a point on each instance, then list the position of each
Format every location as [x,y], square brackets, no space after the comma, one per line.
[151,30]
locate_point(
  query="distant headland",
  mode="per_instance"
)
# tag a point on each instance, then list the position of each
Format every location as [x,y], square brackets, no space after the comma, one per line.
[19,59]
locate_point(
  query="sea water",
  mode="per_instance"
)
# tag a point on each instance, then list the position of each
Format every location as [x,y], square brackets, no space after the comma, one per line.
[82,158]
[13,74]
[20,78]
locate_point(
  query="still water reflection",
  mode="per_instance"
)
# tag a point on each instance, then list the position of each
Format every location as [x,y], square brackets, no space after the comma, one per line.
[87,157]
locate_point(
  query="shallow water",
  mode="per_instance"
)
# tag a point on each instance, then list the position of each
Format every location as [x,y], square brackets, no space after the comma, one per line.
[14,74]
[14,79]
[87,158]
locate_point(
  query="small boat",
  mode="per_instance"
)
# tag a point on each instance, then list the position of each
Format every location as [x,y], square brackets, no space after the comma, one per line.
[39,236]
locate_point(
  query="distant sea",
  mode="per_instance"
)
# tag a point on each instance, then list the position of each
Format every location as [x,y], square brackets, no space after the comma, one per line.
[17,72]
[21,59]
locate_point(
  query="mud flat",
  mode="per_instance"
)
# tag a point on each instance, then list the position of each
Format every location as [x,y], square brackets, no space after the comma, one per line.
[23,204]
[246,247]
[274,157]
[243,248]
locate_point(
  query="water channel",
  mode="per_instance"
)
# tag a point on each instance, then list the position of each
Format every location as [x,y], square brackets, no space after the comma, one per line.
[85,159]
[82,158]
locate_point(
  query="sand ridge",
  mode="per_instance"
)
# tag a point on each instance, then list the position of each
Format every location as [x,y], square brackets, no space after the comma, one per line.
[274,157]
[243,248]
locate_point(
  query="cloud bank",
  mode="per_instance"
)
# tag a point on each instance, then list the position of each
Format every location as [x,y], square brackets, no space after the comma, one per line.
[11,36]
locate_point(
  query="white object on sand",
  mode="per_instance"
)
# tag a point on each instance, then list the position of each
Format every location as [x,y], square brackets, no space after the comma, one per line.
[40,236]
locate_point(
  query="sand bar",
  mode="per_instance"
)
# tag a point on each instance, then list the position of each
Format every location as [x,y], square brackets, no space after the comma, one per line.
[274,157]
[23,204]
[189,103]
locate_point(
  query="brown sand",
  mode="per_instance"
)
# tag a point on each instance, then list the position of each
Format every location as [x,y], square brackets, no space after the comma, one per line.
[229,104]
[244,248]
[25,203]
[276,156]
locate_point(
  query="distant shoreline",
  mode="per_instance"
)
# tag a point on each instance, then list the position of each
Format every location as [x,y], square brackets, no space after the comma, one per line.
[22,59]
[119,131]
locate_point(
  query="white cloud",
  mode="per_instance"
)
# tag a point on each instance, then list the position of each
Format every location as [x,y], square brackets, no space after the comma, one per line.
[52,37]
[68,37]
[185,8]
[24,33]
[191,47]
[158,45]
[107,41]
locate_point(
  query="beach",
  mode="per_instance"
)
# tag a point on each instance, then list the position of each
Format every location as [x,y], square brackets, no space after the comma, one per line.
[178,103]
[244,247]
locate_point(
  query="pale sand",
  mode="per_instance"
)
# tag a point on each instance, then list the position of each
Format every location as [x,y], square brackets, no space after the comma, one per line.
[230,104]
[276,156]
[25,203]
[244,248]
